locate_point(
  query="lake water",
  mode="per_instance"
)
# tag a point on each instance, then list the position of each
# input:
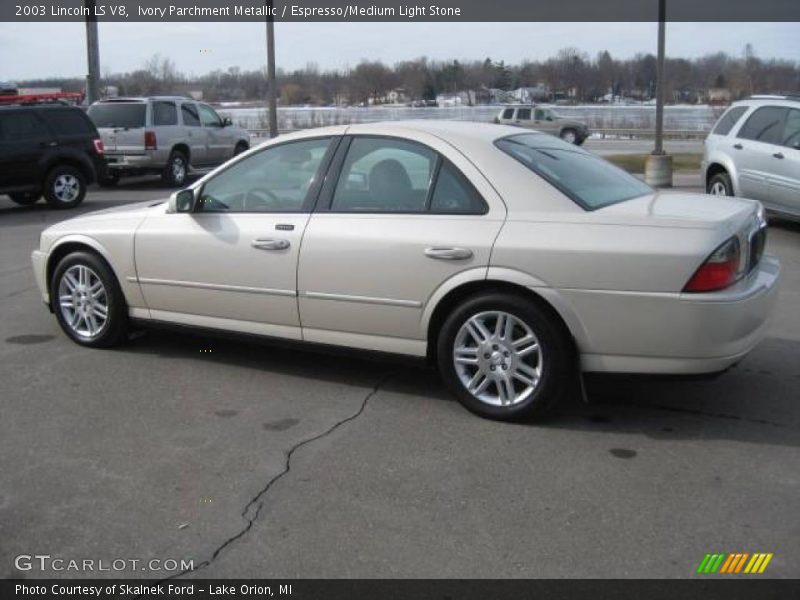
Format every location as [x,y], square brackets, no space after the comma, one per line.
[694,118]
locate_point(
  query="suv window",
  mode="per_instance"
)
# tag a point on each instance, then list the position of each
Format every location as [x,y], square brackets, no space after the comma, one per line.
[524,114]
[384,175]
[586,178]
[20,126]
[67,122]
[164,113]
[539,114]
[729,119]
[508,113]
[209,117]
[453,194]
[189,113]
[276,179]
[118,115]
[764,125]
[791,130]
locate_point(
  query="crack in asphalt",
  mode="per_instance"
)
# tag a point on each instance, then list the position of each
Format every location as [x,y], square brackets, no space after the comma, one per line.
[253,508]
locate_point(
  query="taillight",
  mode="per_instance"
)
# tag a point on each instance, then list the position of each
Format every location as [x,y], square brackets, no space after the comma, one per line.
[720,270]
[98,146]
[150,140]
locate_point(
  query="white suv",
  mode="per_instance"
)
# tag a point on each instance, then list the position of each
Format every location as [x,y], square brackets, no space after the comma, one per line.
[754,152]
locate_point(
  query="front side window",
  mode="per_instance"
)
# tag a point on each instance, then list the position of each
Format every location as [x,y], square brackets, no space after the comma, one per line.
[277,179]
[190,116]
[764,125]
[587,179]
[729,119]
[524,114]
[791,130]
[539,114]
[19,127]
[208,117]
[165,113]
[384,175]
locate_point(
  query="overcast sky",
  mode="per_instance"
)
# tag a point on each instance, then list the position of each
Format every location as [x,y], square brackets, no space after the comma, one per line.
[36,50]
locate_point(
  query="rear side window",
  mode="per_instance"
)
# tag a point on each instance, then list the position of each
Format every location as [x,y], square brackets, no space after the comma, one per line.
[508,113]
[165,113]
[587,179]
[729,119]
[453,194]
[67,122]
[190,116]
[764,125]
[118,115]
[524,114]
[23,126]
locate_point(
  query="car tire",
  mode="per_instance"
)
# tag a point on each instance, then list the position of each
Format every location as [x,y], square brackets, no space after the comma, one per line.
[109,181]
[533,357]
[25,198]
[720,185]
[240,147]
[569,135]
[176,170]
[64,187]
[87,301]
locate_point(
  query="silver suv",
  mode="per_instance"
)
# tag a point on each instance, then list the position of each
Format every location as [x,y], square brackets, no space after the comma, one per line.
[545,120]
[167,135]
[754,152]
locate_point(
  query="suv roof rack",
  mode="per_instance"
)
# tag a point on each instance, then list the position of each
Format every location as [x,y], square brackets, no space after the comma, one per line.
[795,97]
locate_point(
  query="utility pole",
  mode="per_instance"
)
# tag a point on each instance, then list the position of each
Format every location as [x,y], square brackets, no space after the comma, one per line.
[272,91]
[92,53]
[658,166]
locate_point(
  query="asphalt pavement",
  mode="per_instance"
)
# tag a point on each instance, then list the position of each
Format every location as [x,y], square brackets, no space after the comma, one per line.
[256,460]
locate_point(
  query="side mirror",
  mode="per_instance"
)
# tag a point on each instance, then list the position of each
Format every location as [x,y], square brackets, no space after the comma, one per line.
[226,122]
[182,201]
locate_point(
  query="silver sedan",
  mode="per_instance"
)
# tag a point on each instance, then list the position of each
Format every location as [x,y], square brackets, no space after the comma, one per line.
[511,259]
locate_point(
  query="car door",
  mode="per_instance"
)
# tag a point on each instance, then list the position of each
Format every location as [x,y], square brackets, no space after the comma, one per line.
[196,134]
[398,222]
[541,122]
[231,263]
[753,149]
[24,139]
[220,139]
[785,169]
[523,117]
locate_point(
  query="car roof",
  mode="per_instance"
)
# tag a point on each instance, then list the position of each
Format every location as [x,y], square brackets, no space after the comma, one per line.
[142,99]
[766,100]
[41,106]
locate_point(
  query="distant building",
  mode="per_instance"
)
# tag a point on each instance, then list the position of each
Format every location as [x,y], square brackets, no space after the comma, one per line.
[530,94]
[397,96]
[718,96]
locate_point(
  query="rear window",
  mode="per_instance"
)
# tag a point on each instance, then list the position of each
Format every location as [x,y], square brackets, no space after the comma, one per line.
[587,179]
[119,115]
[68,122]
[729,119]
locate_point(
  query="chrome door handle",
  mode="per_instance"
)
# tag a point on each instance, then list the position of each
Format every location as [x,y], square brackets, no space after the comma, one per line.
[778,155]
[738,146]
[448,253]
[269,244]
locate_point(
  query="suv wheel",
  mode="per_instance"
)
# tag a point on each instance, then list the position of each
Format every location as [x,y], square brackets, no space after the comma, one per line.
[64,187]
[176,170]
[504,358]
[569,135]
[240,147]
[720,185]
[25,198]
[87,300]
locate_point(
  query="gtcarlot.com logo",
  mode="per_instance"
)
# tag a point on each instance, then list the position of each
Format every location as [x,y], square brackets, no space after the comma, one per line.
[734,563]
[45,562]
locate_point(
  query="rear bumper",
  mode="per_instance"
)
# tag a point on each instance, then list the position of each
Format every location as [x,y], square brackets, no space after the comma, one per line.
[628,332]
[121,163]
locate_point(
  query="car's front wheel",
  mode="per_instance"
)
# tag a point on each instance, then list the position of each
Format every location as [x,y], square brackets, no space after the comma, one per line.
[25,198]
[64,187]
[87,300]
[569,135]
[504,357]
[720,185]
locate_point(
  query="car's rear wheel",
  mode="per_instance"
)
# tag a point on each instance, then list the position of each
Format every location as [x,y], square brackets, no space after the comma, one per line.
[569,135]
[176,170]
[504,357]
[25,198]
[240,147]
[64,187]
[87,300]
[720,185]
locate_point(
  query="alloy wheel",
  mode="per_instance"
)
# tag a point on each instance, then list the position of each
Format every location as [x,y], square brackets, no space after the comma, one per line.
[83,301]
[66,188]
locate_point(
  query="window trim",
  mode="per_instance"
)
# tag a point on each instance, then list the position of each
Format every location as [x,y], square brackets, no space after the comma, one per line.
[324,202]
[312,195]
[568,193]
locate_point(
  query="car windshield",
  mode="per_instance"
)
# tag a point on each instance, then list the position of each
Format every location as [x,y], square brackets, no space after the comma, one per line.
[120,115]
[587,179]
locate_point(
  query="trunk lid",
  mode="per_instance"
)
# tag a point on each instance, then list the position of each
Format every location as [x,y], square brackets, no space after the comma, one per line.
[121,125]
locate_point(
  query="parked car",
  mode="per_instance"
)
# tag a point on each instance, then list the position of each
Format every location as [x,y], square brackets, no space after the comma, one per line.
[545,120]
[510,258]
[165,135]
[50,150]
[754,152]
